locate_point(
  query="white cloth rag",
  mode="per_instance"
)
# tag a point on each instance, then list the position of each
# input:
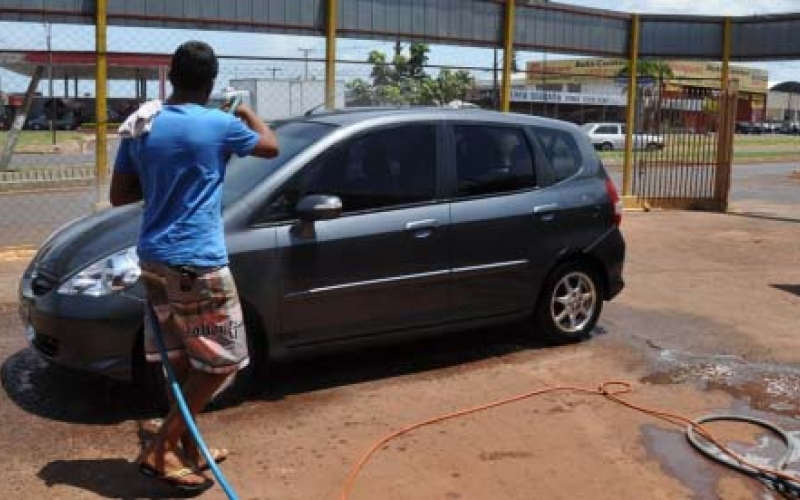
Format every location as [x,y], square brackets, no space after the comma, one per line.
[140,122]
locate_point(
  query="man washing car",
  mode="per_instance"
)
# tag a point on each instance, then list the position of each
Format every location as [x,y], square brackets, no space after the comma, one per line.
[173,156]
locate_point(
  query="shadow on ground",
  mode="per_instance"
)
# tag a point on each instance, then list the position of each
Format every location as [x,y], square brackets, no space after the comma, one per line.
[64,395]
[107,478]
[765,216]
[794,289]
[60,394]
[452,351]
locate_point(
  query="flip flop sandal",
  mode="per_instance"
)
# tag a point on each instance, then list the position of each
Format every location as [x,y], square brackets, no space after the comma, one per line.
[171,478]
[219,455]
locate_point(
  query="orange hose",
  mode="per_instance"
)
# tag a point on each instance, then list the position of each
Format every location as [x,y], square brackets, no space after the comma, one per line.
[612,390]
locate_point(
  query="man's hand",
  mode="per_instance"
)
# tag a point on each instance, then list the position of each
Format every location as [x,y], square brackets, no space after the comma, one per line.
[267,146]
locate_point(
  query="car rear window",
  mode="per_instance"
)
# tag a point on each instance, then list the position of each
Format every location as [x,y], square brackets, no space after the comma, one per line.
[244,174]
[561,151]
[492,159]
[606,129]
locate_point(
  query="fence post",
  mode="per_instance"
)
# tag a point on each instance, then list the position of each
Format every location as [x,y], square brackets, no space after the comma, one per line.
[508,55]
[727,120]
[330,55]
[101,110]
[627,169]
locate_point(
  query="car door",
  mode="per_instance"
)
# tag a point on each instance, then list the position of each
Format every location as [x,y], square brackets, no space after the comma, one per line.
[502,221]
[382,265]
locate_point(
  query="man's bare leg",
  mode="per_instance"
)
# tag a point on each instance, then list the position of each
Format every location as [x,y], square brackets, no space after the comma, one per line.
[163,454]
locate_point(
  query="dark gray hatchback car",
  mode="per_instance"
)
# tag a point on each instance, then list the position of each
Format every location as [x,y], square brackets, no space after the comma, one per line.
[370,225]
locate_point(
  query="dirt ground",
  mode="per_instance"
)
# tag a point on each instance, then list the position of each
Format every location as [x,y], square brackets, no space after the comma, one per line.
[707,324]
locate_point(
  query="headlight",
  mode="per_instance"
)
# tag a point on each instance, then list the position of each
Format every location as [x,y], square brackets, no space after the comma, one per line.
[114,273]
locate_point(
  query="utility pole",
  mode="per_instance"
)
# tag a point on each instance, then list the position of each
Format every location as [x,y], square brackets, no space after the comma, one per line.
[494,81]
[48,31]
[305,53]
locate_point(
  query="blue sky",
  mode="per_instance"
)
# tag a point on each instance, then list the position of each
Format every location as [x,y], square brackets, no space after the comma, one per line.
[32,36]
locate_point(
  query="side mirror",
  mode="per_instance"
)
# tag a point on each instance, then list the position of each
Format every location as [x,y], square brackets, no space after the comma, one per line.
[316,207]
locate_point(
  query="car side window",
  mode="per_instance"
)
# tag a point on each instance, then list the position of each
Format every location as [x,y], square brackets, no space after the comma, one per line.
[389,167]
[606,129]
[561,151]
[492,160]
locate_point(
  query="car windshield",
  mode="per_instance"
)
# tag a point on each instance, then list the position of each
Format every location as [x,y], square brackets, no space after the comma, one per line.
[243,174]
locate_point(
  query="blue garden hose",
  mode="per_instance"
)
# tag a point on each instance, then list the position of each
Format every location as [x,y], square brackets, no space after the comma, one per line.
[184,409]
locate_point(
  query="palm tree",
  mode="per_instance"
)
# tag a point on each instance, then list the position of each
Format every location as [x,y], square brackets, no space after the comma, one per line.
[650,69]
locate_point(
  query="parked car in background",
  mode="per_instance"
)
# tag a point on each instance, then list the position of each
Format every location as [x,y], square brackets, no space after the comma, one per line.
[42,122]
[770,127]
[370,226]
[790,128]
[743,127]
[609,136]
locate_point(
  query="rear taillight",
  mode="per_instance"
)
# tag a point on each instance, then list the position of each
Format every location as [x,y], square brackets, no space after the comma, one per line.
[613,195]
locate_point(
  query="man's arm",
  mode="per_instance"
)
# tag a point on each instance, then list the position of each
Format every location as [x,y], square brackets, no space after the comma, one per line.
[267,146]
[125,189]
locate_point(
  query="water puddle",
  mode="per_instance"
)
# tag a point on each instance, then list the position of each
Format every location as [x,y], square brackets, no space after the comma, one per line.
[760,390]
[766,387]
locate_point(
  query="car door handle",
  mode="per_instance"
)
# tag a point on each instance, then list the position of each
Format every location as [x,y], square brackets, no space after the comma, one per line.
[421,224]
[422,228]
[546,212]
[543,209]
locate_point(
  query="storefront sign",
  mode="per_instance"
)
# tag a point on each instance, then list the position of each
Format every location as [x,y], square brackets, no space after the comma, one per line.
[518,95]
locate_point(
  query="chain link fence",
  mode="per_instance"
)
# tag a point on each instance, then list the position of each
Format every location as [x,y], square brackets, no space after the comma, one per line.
[47,79]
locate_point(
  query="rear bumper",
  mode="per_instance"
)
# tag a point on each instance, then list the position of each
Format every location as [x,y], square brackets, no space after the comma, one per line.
[610,250]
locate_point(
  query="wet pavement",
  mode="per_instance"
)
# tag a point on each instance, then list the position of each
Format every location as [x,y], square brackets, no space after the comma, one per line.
[706,325]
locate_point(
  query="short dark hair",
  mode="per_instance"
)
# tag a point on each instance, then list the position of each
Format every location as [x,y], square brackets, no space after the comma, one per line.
[194,66]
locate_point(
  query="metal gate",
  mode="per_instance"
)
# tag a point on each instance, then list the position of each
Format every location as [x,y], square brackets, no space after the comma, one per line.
[683,148]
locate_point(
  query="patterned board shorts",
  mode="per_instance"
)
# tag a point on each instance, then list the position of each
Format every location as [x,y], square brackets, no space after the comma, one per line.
[199,315]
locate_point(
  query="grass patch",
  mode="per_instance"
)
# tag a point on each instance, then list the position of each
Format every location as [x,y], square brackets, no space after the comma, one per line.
[43,137]
[749,148]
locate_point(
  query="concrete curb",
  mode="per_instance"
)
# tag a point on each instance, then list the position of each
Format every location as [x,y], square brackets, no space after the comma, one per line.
[46,178]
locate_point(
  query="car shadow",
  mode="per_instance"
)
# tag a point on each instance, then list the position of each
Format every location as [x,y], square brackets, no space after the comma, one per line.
[59,394]
[350,367]
[107,478]
[64,395]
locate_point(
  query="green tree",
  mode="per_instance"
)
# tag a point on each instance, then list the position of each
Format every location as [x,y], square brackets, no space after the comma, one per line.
[655,70]
[404,80]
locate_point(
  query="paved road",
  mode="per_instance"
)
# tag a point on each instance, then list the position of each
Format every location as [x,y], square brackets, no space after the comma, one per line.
[23,161]
[29,160]
[764,189]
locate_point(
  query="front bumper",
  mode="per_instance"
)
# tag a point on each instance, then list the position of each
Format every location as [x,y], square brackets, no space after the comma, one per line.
[93,334]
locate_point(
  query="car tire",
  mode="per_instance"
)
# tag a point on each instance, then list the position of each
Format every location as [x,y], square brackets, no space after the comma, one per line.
[153,378]
[570,304]
[606,146]
[653,146]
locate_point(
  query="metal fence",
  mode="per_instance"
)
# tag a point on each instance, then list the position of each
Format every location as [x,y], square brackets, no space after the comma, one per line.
[53,172]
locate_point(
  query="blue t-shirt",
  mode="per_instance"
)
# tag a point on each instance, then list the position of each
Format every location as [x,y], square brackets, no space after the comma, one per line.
[181,167]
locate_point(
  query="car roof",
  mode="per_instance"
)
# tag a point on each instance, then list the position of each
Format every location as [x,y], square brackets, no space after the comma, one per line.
[353,116]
